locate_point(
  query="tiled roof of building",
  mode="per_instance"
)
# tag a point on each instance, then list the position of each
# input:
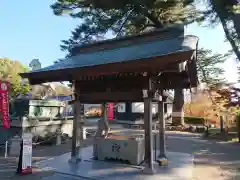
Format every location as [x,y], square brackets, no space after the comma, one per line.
[133,52]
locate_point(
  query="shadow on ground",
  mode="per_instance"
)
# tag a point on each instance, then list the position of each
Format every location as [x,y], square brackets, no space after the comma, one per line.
[8,165]
[213,160]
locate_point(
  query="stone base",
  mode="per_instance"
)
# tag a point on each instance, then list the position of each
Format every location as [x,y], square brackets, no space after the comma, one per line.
[74,160]
[149,171]
[180,167]
[162,161]
[121,148]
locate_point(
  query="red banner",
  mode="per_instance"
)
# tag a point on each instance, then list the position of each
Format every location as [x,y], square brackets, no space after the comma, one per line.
[4,107]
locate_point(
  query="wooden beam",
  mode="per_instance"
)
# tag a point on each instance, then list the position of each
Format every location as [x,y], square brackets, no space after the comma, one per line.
[113,84]
[99,97]
[182,85]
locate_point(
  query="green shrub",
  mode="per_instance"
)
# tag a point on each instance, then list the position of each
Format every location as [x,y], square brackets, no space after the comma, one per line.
[194,120]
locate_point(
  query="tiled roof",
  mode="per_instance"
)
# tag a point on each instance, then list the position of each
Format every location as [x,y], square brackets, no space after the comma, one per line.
[129,53]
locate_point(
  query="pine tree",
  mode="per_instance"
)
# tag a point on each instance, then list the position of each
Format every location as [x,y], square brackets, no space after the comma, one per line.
[208,67]
[128,17]
[227,13]
[121,18]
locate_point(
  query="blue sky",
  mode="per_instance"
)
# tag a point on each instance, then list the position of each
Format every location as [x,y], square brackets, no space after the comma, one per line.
[30,30]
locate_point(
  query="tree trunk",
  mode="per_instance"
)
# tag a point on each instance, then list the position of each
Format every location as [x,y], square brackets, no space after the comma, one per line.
[236,23]
[177,109]
[228,35]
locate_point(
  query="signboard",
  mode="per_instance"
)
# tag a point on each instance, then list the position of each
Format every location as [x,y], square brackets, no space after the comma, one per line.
[110,111]
[4,107]
[121,107]
[27,153]
[138,107]
[46,103]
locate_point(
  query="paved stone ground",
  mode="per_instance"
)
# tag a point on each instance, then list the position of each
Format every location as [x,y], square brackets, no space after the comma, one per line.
[8,166]
[213,160]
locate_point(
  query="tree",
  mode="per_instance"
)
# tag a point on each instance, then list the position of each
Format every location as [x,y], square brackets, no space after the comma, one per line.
[206,103]
[227,13]
[9,71]
[238,73]
[120,18]
[200,106]
[123,18]
[214,99]
[209,71]
[47,90]
[208,67]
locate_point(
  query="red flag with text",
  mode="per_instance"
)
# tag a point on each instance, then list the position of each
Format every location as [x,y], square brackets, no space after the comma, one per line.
[4,107]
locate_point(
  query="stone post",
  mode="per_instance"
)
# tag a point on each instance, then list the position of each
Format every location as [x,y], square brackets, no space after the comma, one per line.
[58,138]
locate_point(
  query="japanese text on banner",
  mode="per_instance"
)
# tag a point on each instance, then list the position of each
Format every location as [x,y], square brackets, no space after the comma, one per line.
[4,104]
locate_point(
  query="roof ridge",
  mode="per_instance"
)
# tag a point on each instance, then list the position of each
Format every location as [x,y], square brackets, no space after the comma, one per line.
[176,30]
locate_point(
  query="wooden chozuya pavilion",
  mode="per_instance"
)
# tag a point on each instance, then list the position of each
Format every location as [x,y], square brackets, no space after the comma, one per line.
[129,69]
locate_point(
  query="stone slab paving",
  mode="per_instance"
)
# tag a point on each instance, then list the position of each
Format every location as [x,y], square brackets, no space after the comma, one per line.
[180,168]
[58,176]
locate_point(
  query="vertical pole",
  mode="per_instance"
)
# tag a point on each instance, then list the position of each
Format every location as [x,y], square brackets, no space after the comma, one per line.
[6,149]
[146,132]
[81,123]
[150,136]
[105,116]
[75,133]
[221,124]
[148,95]
[155,141]
[238,126]
[161,120]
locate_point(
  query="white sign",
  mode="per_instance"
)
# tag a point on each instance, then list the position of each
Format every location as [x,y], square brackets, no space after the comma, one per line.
[4,86]
[27,152]
[138,107]
[121,107]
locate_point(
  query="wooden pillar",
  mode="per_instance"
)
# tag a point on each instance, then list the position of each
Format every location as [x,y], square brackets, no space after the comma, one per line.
[81,124]
[75,132]
[221,124]
[105,113]
[104,108]
[177,108]
[146,128]
[161,120]
[148,95]
[238,125]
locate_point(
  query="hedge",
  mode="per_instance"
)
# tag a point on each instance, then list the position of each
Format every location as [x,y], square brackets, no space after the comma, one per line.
[194,120]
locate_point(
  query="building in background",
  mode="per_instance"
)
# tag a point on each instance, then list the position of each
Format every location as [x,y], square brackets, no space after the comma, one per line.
[133,112]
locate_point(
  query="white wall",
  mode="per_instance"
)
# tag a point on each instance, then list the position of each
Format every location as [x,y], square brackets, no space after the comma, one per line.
[139,107]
